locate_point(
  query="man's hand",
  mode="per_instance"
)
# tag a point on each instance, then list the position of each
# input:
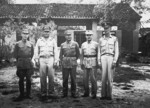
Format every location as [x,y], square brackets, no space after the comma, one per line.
[100,65]
[56,64]
[37,62]
[82,66]
[113,64]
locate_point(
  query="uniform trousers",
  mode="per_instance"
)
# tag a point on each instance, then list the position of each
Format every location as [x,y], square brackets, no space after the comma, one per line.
[90,73]
[66,72]
[47,69]
[22,73]
[107,75]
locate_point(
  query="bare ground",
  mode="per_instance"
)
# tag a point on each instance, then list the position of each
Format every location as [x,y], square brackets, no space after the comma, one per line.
[131,90]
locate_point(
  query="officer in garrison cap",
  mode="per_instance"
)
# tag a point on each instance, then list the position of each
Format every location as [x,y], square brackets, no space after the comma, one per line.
[45,56]
[23,53]
[69,53]
[107,57]
[89,51]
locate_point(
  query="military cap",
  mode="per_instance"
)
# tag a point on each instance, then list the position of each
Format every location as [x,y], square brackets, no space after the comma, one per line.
[89,32]
[106,24]
[67,32]
[25,31]
[46,28]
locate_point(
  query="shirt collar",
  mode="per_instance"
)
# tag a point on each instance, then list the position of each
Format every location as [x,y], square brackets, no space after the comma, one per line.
[25,43]
[69,42]
[89,42]
[43,39]
[110,36]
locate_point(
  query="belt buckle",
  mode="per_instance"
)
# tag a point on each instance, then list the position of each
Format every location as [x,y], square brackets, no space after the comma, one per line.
[47,56]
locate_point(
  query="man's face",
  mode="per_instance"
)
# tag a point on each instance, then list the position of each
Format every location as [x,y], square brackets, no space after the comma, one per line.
[89,37]
[25,36]
[46,34]
[107,29]
[68,37]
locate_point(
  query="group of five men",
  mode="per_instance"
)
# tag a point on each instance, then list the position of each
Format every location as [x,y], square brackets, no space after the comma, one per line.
[45,55]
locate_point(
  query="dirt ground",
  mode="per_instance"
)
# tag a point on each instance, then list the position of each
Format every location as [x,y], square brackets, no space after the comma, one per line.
[131,89]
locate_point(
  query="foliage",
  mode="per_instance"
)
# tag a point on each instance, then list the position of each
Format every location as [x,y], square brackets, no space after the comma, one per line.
[6,1]
[120,14]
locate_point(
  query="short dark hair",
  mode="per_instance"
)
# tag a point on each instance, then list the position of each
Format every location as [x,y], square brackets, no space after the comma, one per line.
[103,24]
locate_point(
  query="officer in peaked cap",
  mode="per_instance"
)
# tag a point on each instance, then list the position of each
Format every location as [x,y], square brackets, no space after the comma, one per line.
[108,53]
[106,24]
[46,28]
[23,53]
[89,51]
[45,56]
[89,32]
[69,53]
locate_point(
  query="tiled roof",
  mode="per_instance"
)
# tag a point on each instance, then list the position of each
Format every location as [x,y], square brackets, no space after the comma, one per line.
[63,11]
[72,11]
[36,10]
[11,10]
[124,10]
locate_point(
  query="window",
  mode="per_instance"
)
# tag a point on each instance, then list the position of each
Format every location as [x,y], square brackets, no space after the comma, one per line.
[60,37]
[79,36]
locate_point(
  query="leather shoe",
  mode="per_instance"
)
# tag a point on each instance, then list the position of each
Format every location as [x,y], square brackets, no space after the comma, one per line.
[28,97]
[63,96]
[109,98]
[103,98]
[94,97]
[43,97]
[19,98]
[74,96]
[85,95]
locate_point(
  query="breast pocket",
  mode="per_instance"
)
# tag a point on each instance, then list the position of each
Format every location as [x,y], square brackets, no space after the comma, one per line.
[72,50]
[103,46]
[29,49]
[50,47]
[93,50]
[42,47]
[111,47]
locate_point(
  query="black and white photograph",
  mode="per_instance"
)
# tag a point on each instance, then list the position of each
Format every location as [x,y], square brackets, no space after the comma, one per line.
[74,54]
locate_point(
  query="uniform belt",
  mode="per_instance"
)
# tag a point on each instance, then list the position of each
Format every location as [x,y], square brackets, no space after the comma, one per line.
[48,56]
[108,54]
[90,55]
[24,58]
[70,56]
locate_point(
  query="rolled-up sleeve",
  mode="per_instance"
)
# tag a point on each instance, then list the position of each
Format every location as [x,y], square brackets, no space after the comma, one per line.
[15,53]
[99,51]
[116,55]
[61,53]
[36,51]
[56,55]
[77,51]
[82,54]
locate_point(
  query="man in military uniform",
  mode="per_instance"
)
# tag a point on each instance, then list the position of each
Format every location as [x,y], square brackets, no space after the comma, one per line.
[69,53]
[89,51]
[23,53]
[45,56]
[107,57]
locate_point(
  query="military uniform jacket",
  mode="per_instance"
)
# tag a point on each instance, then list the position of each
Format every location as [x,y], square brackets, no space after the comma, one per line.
[69,53]
[108,46]
[46,48]
[23,53]
[89,52]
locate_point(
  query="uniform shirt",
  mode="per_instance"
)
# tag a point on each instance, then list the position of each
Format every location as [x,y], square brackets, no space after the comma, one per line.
[89,49]
[69,53]
[46,48]
[108,46]
[23,53]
